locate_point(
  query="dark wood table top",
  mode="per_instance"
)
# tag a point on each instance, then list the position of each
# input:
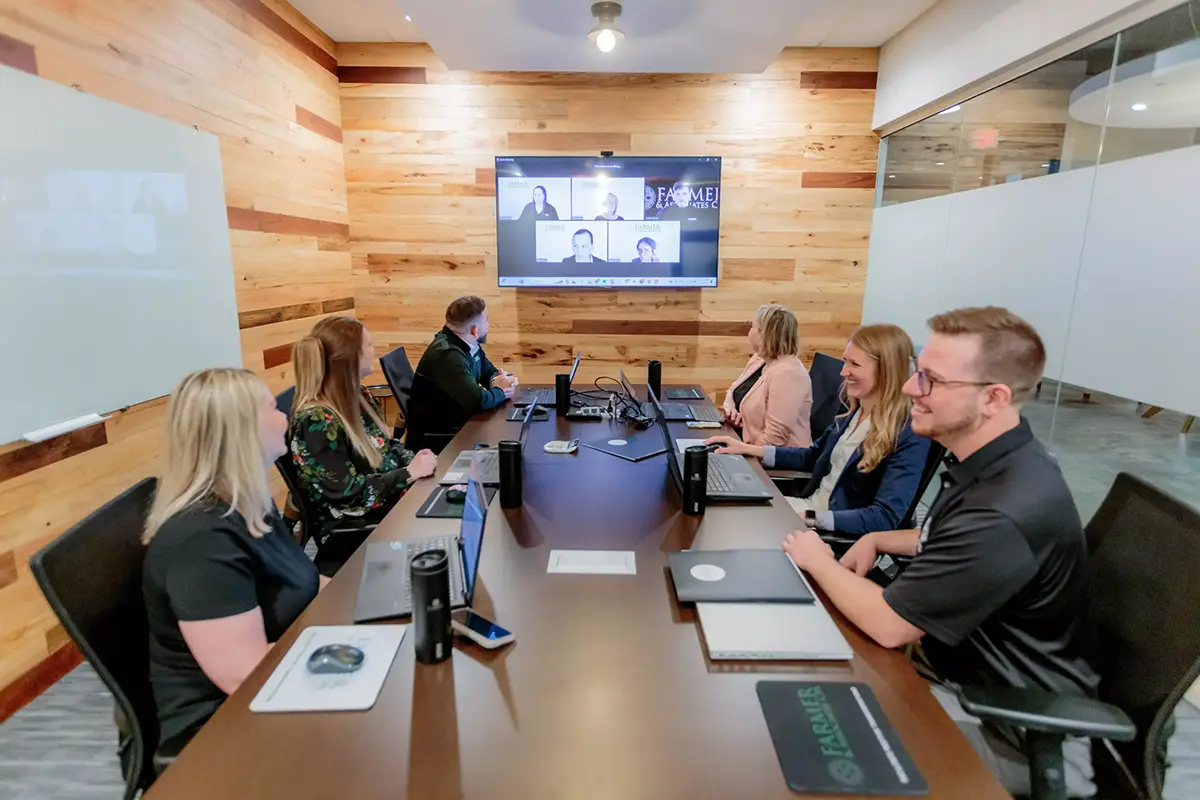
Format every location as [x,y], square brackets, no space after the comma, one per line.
[607,693]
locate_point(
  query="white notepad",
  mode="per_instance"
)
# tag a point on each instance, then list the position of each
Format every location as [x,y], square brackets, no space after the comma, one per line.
[684,444]
[592,562]
[292,687]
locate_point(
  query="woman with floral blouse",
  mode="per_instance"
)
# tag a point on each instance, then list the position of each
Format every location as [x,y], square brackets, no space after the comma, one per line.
[349,465]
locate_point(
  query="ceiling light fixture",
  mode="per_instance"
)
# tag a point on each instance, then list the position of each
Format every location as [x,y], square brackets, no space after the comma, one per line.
[941,163]
[407,18]
[606,33]
[949,110]
[1139,106]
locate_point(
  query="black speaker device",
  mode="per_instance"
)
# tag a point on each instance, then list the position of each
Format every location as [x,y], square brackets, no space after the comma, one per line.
[510,474]
[562,394]
[654,377]
[695,479]
[430,576]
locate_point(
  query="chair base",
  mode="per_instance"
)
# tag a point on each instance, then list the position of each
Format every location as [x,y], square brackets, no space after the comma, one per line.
[1047,777]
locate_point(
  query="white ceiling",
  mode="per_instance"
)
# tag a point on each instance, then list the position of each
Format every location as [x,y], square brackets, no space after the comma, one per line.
[1164,87]
[663,35]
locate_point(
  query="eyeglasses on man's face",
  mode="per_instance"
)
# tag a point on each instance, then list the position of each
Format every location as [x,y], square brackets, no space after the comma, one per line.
[926,382]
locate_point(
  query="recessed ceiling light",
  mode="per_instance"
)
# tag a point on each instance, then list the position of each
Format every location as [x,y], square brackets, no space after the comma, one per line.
[407,18]
[606,33]
[891,176]
[941,163]
[949,110]
[1138,106]
[1045,166]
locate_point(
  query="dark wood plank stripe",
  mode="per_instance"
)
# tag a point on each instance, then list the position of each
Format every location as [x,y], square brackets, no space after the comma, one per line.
[277,356]
[18,55]
[35,456]
[837,180]
[288,32]
[8,568]
[485,177]
[659,327]
[248,219]
[348,74]
[26,688]
[543,140]
[269,316]
[837,80]
[318,124]
[758,269]
[388,263]
[57,638]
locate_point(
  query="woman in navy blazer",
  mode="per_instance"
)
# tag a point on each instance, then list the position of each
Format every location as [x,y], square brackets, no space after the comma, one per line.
[867,465]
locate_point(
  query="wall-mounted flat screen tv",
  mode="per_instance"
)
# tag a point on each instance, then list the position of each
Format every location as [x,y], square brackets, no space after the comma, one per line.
[607,221]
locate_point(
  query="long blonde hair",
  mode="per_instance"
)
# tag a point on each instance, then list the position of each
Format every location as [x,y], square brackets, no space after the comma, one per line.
[326,367]
[893,353]
[213,449]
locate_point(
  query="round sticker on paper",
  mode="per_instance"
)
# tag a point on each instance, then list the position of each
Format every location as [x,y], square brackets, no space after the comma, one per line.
[618,442]
[707,572]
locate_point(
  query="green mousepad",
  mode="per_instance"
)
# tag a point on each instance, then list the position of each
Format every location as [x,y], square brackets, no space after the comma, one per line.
[833,738]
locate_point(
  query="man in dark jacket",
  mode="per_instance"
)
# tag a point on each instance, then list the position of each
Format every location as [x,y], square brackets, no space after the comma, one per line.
[454,379]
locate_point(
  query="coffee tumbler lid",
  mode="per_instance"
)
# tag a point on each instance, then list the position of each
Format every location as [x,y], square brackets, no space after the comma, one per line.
[509,444]
[431,562]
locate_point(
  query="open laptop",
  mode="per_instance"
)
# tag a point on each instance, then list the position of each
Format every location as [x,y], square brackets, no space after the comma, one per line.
[484,464]
[675,412]
[385,590]
[730,477]
[544,397]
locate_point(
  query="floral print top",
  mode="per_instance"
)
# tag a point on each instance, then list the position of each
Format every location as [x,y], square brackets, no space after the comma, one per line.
[339,481]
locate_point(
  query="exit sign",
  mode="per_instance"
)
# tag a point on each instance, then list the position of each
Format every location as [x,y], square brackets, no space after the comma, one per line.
[985,138]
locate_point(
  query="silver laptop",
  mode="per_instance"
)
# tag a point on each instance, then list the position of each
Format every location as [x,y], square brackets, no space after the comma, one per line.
[483,465]
[544,397]
[674,412]
[772,632]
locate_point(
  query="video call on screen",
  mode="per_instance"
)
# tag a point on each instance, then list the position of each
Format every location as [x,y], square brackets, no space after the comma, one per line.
[572,221]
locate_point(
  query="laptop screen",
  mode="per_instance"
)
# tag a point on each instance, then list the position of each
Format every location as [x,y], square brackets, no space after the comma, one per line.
[526,422]
[575,367]
[471,535]
[660,422]
[628,387]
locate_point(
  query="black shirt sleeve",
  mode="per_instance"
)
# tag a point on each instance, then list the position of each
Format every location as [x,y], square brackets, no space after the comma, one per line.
[211,576]
[971,565]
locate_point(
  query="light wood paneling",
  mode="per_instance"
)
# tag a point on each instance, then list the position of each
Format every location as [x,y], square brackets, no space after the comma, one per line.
[799,173]
[263,79]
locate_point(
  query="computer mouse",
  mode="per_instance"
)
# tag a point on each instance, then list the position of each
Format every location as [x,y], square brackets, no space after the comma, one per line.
[456,496]
[334,659]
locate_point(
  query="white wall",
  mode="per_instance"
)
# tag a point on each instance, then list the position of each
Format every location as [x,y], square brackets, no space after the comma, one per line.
[959,42]
[1126,231]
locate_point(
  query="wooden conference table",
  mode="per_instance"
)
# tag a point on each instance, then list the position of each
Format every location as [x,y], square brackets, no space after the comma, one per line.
[607,694]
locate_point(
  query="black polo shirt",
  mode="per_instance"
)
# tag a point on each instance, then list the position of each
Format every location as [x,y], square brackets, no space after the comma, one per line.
[998,582]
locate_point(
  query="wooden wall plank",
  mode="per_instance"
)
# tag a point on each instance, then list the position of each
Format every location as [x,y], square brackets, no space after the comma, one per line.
[41,677]
[381,74]
[318,124]
[8,568]
[248,219]
[838,180]
[288,32]
[815,79]
[18,55]
[14,463]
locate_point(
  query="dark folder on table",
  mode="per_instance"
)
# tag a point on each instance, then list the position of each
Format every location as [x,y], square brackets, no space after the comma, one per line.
[737,576]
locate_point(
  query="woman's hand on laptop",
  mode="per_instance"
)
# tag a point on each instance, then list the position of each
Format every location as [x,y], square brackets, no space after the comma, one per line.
[422,465]
[728,444]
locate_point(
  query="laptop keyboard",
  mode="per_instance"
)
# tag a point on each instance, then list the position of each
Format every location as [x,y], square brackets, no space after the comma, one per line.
[707,414]
[487,461]
[447,543]
[718,477]
[540,397]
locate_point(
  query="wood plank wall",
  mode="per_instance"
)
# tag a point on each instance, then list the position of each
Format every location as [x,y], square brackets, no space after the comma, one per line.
[799,176]
[257,74]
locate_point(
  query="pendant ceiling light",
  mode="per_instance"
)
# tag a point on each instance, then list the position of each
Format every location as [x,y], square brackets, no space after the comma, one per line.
[606,33]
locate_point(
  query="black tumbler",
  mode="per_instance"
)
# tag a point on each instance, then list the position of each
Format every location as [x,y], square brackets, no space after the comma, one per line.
[430,575]
[510,474]
[562,394]
[695,479]
[654,377]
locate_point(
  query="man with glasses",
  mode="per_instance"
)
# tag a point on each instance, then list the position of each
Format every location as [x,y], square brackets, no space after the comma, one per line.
[996,587]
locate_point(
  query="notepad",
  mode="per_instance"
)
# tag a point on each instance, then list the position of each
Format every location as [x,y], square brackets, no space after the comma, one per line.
[684,444]
[592,562]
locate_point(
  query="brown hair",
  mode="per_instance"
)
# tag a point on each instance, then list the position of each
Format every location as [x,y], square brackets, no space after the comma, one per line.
[893,353]
[1010,351]
[326,367]
[779,331]
[463,309]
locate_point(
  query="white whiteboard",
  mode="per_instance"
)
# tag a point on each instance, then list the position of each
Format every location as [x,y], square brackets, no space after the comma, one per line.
[116,277]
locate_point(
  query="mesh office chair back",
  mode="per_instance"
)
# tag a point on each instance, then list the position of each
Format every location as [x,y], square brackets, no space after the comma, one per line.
[399,375]
[826,376]
[1144,556]
[932,461]
[92,578]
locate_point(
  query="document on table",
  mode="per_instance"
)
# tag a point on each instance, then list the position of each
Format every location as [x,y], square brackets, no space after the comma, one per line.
[684,444]
[292,687]
[592,562]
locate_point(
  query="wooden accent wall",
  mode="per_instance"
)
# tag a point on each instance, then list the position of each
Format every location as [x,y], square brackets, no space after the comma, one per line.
[798,187]
[261,77]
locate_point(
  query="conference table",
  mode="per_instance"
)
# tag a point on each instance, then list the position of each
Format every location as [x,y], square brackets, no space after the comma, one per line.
[607,693]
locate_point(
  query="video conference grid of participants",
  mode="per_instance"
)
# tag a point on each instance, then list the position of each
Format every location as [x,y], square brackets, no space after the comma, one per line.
[638,221]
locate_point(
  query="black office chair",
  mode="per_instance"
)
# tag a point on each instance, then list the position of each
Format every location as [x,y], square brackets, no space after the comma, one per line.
[427,406]
[92,578]
[826,376]
[398,373]
[284,400]
[933,460]
[1144,555]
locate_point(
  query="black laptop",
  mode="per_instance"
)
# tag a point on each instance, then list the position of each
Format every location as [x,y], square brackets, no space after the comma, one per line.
[737,576]
[674,412]
[544,397]
[484,463]
[385,590]
[730,477]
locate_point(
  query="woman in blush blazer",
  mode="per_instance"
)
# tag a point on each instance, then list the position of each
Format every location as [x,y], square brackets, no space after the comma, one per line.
[769,404]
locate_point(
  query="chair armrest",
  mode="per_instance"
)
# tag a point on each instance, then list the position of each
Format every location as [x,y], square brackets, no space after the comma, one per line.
[349,526]
[1049,712]
[379,390]
[788,475]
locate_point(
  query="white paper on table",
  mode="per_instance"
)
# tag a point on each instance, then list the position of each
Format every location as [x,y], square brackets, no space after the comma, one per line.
[592,562]
[292,687]
[684,444]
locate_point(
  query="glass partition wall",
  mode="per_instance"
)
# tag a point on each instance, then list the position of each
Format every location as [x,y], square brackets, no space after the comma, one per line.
[1072,196]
